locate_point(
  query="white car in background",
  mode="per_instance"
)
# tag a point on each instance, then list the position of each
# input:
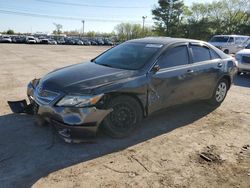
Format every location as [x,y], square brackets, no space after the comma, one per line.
[5,39]
[229,44]
[31,40]
[243,60]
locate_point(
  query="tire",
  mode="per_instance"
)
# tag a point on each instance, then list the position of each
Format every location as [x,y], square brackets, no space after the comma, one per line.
[226,51]
[238,73]
[220,92]
[124,118]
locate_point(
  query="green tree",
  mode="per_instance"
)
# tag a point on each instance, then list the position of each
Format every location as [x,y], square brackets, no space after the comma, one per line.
[10,32]
[168,17]
[202,20]
[198,24]
[127,31]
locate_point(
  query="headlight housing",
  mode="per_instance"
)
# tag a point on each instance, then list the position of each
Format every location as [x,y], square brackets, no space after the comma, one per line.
[79,101]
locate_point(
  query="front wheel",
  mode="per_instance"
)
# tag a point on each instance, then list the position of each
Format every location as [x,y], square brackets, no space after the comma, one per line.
[220,92]
[124,118]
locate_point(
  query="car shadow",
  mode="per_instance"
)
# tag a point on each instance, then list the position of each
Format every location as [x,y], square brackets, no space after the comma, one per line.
[29,152]
[242,80]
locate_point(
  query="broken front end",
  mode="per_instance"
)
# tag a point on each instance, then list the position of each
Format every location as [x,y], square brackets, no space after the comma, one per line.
[74,116]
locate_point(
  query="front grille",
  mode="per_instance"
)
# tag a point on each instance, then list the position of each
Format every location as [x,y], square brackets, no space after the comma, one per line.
[245,59]
[43,96]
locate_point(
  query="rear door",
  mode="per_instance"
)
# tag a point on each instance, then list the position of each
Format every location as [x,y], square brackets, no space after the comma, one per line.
[207,66]
[172,84]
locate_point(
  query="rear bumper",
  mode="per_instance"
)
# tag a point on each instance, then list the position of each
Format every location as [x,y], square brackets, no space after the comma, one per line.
[70,122]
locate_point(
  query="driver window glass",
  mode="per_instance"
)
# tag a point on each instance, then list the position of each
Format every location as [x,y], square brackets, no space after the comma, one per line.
[214,55]
[174,57]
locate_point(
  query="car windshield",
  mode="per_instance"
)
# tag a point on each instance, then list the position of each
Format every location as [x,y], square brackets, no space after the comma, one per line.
[248,46]
[130,55]
[219,39]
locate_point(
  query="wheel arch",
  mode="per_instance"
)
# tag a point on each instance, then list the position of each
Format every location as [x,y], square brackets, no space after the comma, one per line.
[138,97]
[228,78]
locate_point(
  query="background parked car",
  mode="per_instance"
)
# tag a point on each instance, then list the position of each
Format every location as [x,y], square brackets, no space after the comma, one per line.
[78,42]
[5,39]
[31,40]
[108,42]
[243,60]
[86,42]
[47,41]
[60,41]
[229,44]
[44,41]
[93,42]
[69,41]
[19,39]
[52,41]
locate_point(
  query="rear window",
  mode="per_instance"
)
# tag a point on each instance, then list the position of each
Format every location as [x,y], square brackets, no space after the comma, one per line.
[219,39]
[200,53]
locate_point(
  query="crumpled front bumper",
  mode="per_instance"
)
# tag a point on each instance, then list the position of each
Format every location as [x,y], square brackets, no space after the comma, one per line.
[73,124]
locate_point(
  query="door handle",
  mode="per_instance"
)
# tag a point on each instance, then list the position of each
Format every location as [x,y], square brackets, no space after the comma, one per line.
[219,65]
[190,71]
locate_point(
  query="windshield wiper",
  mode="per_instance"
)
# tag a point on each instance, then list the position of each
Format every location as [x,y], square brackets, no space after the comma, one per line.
[106,65]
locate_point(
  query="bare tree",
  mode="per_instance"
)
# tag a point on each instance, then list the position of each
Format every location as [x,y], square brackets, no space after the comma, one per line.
[58,29]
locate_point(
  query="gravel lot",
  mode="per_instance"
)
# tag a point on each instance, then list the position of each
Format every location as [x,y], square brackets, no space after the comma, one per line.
[164,152]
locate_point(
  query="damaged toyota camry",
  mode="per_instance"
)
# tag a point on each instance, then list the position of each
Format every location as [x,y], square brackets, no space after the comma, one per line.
[118,88]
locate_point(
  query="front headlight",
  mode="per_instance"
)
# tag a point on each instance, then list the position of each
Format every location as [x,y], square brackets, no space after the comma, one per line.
[79,101]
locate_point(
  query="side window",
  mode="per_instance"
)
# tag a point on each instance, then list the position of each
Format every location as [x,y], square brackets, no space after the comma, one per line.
[238,40]
[214,55]
[231,40]
[200,53]
[174,57]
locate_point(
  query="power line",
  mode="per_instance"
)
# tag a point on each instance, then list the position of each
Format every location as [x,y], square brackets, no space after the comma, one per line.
[63,17]
[89,5]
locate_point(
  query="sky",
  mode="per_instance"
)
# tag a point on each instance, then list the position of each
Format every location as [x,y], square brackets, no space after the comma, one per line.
[99,15]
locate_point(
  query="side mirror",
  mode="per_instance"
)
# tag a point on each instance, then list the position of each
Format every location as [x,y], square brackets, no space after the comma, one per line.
[156,68]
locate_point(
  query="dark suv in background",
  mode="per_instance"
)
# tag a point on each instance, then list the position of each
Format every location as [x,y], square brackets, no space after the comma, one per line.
[118,88]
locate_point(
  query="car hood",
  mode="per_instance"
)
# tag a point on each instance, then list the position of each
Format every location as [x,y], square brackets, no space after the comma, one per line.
[244,52]
[83,78]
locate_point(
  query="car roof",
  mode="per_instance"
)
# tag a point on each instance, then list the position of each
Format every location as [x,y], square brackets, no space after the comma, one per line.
[168,41]
[164,40]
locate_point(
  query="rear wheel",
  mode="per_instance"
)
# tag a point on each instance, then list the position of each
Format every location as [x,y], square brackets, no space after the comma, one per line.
[124,118]
[226,51]
[220,92]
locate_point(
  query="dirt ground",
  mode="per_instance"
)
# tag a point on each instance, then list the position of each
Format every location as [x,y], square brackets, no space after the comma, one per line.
[192,145]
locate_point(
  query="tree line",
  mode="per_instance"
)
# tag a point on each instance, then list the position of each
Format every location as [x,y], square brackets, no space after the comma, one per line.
[200,21]
[173,18]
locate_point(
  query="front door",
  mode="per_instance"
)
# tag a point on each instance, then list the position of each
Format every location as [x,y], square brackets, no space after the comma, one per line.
[172,84]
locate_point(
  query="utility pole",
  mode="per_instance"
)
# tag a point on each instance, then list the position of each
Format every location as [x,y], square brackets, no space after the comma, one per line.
[83,21]
[143,22]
